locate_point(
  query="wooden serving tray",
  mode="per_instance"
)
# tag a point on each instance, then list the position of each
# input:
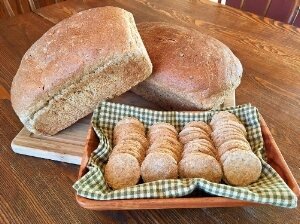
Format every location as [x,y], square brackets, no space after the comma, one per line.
[67,146]
[274,158]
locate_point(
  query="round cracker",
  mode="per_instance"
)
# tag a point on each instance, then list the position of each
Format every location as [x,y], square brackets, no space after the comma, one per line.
[200,165]
[192,136]
[199,124]
[163,126]
[205,142]
[189,130]
[230,124]
[241,168]
[133,136]
[130,120]
[159,166]
[165,149]
[227,130]
[128,150]
[123,129]
[224,156]
[133,149]
[223,115]
[175,148]
[232,144]
[135,143]
[160,133]
[118,137]
[174,141]
[197,147]
[122,170]
[220,139]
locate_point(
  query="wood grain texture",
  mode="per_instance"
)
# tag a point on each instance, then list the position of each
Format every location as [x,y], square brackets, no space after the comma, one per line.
[38,191]
[9,8]
[66,146]
[16,36]
[4,95]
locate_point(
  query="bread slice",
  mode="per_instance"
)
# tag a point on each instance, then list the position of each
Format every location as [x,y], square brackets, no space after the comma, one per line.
[191,71]
[92,56]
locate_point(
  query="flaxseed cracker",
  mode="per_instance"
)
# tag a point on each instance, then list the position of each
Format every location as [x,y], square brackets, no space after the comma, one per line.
[199,124]
[200,165]
[241,167]
[122,170]
[159,166]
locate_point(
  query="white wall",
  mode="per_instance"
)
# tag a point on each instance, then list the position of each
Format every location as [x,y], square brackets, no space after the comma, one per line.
[222,2]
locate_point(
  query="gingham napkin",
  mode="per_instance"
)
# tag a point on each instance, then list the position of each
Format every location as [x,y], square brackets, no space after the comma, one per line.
[269,189]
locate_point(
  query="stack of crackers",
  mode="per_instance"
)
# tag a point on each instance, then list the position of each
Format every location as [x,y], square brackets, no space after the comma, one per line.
[130,145]
[241,166]
[199,158]
[212,152]
[163,154]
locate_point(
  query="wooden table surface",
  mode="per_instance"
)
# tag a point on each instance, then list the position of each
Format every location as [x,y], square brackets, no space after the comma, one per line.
[39,191]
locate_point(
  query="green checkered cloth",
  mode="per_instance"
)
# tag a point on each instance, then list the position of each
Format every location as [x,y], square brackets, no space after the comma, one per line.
[269,189]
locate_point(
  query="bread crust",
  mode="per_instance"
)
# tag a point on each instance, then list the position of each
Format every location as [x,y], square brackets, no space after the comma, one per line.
[190,70]
[74,66]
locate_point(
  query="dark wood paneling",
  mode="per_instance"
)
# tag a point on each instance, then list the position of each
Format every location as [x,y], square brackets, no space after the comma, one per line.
[282,10]
[296,20]
[235,3]
[259,7]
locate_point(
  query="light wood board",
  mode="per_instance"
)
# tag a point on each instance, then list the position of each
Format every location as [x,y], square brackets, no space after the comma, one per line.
[67,146]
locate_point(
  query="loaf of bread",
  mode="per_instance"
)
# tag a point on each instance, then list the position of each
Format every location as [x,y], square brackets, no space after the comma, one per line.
[83,60]
[190,70]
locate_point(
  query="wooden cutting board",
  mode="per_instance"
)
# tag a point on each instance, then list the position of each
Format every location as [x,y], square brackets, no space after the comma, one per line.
[67,146]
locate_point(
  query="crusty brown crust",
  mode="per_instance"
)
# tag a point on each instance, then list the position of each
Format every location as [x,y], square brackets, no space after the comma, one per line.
[87,58]
[190,70]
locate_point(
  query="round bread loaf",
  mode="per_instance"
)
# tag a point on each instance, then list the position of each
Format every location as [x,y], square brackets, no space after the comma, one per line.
[92,56]
[190,70]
